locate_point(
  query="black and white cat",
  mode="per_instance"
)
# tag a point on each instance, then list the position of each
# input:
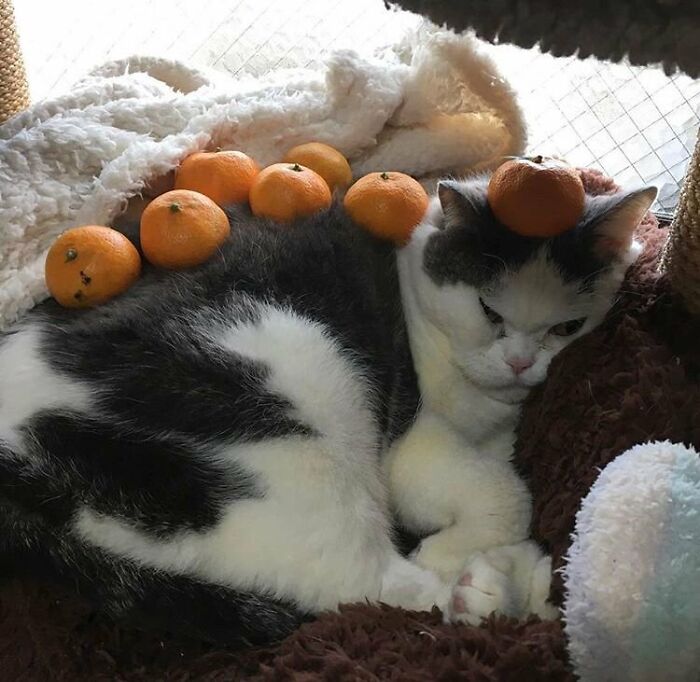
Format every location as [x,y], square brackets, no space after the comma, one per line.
[219,451]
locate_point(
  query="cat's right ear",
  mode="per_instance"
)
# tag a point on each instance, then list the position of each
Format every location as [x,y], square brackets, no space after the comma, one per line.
[458,207]
[614,218]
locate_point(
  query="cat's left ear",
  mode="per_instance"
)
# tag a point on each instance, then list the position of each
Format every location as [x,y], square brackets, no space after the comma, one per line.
[459,202]
[614,219]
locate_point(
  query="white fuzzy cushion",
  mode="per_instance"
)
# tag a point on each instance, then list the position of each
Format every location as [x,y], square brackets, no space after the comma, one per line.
[632,610]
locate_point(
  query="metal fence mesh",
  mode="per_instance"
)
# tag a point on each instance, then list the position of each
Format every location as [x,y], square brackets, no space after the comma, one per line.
[634,123]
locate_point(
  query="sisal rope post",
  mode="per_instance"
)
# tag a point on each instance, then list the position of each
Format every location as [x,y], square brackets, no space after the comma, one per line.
[14,91]
[681,256]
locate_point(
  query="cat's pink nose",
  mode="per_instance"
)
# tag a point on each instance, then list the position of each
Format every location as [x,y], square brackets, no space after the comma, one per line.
[519,365]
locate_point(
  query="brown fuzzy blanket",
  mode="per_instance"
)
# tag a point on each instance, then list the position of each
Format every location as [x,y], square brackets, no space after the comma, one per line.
[633,379]
[645,31]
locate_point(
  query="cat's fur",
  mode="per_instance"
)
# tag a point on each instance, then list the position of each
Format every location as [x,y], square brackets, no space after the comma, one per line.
[211,451]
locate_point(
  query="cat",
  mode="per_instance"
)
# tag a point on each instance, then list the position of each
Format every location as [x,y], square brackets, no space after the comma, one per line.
[219,451]
[487,310]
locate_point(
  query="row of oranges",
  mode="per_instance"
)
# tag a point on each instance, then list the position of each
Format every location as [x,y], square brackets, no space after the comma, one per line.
[183,227]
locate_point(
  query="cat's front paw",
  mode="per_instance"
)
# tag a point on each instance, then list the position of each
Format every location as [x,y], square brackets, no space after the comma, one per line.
[436,554]
[481,590]
[511,579]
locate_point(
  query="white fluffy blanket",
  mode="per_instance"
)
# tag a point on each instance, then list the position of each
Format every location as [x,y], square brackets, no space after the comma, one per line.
[428,105]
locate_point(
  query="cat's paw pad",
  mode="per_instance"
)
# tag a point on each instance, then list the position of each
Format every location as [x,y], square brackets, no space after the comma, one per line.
[481,590]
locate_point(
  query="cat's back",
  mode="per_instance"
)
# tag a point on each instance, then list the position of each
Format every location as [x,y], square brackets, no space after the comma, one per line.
[199,422]
[314,304]
[323,268]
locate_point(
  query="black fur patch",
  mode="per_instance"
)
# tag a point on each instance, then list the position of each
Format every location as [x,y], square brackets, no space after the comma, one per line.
[33,494]
[143,597]
[476,254]
[152,373]
[475,248]
[158,484]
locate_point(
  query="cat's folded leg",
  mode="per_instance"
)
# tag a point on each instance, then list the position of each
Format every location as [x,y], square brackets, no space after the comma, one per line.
[475,500]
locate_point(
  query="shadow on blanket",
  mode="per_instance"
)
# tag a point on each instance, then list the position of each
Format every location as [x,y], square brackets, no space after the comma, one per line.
[633,379]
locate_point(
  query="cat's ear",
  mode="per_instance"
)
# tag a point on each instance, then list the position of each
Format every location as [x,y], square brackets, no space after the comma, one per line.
[614,219]
[459,204]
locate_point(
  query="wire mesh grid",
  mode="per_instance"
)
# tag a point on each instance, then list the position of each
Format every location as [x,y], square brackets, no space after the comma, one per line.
[635,124]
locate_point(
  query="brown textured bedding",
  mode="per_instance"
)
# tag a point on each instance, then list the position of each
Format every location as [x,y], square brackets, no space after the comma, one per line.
[633,379]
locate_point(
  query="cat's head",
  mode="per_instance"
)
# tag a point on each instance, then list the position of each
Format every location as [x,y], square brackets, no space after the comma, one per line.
[506,304]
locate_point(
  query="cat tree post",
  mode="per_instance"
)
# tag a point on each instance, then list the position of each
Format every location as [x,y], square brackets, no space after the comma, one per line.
[14,91]
[681,256]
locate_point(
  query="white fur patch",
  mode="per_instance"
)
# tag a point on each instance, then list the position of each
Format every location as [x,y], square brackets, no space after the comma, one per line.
[308,368]
[316,536]
[319,534]
[536,297]
[28,385]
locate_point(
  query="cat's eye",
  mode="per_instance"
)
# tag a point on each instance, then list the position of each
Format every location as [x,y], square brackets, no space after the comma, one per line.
[567,328]
[494,317]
